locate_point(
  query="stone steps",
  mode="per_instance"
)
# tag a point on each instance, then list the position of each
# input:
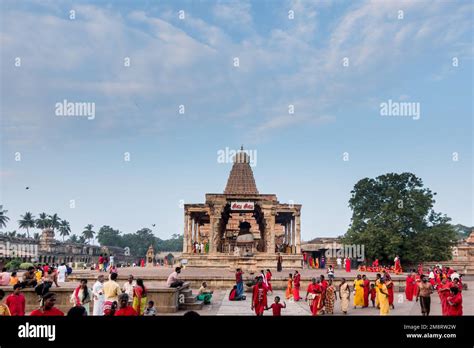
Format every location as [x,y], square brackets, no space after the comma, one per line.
[186,299]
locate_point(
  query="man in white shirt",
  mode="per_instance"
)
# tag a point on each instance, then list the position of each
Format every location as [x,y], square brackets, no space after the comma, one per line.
[99,297]
[173,279]
[339,263]
[111,260]
[201,248]
[62,270]
[128,287]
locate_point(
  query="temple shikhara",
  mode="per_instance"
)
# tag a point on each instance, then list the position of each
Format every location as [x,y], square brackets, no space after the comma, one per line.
[242,227]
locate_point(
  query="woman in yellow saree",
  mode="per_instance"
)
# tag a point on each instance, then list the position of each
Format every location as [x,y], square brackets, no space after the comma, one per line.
[139,297]
[289,287]
[383,298]
[358,292]
[378,285]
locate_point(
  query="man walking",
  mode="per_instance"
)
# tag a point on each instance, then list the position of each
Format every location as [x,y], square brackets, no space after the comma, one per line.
[424,294]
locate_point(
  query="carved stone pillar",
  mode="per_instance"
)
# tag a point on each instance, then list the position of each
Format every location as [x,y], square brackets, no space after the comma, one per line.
[190,235]
[185,234]
[269,215]
[298,232]
[215,217]
[293,235]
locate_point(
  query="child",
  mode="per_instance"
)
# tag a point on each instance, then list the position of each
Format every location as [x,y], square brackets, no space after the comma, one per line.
[372,294]
[4,311]
[150,310]
[13,279]
[276,307]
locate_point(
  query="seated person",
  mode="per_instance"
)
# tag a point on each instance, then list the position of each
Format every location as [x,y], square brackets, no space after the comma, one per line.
[233,295]
[173,279]
[150,310]
[29,278]
[204,294]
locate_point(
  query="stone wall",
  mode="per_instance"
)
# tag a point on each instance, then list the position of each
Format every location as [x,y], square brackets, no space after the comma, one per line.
[166,299]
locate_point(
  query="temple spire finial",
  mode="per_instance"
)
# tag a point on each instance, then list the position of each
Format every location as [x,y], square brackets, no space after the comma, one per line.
[242,148]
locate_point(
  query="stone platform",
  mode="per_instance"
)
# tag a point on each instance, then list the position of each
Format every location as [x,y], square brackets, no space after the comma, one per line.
[246,263]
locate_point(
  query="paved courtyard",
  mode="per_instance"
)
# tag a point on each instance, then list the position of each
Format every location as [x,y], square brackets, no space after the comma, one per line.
[222,306]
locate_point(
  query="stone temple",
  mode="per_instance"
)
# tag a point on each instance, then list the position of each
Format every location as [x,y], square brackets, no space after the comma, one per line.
[242,227]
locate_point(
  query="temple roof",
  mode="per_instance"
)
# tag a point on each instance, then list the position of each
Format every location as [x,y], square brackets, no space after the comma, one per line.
[241,180]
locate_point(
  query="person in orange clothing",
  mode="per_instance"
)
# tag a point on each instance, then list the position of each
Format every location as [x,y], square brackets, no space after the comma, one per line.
[296,286]
[13,279]
[289,287]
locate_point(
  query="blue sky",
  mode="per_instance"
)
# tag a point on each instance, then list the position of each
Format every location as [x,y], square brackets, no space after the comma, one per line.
[190,62]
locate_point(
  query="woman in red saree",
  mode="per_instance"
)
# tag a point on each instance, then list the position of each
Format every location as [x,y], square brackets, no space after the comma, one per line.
[444,293]
[314,294]
[409,284]
[139,297]
[268,276]
[296,286]
[398,266]
[389,285]
[454,303]
[366,285]
[416,288]
[348,264]
[259,297]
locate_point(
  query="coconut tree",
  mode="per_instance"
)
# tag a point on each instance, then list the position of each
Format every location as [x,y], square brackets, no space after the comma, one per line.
[54,221]
[3,218]
[88,233]
[64,228]
[27,221]
[43,222]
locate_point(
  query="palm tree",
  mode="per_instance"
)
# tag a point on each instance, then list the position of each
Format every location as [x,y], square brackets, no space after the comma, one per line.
[64,229]
[27,221]
[3,218]
[36,236]
[43,221]
[54,220]
[73,239]
[88,233]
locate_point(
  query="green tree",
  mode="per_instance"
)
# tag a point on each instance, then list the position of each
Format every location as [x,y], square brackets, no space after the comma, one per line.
[64,229]
[54,221]
[73,239]
[43,221]
[393,215]
[3,218]
[139,241]
[110,237]
[88,233]
[27,221]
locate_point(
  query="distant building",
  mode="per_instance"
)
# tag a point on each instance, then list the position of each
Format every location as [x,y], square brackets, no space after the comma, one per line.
[49,250]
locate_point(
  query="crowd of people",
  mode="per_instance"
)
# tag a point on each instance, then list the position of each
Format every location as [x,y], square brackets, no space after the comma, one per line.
[444,280]
[109,298]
